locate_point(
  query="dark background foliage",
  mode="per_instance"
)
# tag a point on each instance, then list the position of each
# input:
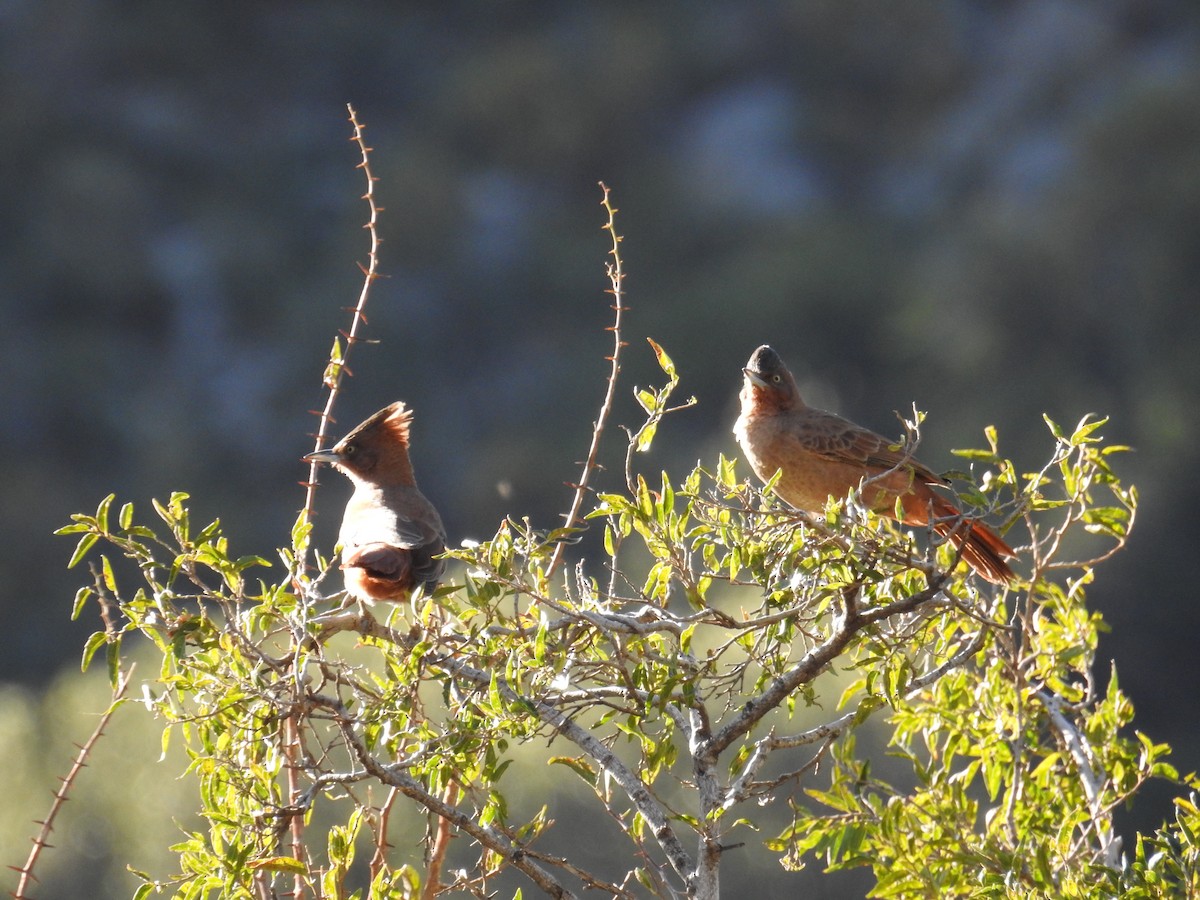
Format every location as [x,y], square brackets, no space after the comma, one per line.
[992,209]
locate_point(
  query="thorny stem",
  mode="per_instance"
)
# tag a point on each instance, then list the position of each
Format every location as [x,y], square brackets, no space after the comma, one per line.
[336,366]
[332,379]
[291,739]
[41,842]
[616,276]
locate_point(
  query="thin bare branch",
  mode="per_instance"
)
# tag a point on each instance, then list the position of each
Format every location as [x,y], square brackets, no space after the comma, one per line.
[441,843]
[41,842]
[335,368]
[379,857]
[616,276]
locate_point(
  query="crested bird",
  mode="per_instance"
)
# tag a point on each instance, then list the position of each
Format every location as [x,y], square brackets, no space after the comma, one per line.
[819,455]
[391,535]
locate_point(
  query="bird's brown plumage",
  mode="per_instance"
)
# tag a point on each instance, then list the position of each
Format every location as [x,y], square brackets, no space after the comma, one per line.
[819,454]
[390,533]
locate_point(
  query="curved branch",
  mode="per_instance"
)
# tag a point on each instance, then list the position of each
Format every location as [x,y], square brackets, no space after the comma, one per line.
[812,663]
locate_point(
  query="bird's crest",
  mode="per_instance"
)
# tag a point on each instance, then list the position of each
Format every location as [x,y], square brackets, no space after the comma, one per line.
[397,421]
[393,420]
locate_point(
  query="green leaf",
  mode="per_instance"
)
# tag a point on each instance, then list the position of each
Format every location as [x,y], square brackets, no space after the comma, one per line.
[726,472]
[497,704]
[301,529]
[81,597]
[579,766]
[102,512]
[81,549]
[246,562]
[79,523]
[279,864]
[563,534]
[113,658]
[209,531]
[664,361]
[1085,429]
[94,643]
[1107,519]
[645,436]
[539,644]
[980,455]
[106,573]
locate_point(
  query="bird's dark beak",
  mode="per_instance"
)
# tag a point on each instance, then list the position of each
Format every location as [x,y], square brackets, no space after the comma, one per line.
[755,379]
[325,456]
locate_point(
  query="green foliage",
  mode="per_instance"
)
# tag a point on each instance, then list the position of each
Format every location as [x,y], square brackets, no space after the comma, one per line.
[680,681]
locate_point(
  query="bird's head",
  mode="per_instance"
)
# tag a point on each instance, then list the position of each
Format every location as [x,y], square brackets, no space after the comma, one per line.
[376,451]
[768,380]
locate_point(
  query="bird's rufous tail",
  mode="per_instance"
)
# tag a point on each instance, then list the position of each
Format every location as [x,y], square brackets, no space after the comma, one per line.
[983,549]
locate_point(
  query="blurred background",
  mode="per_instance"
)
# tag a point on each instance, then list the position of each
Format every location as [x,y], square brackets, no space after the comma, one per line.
[989,208]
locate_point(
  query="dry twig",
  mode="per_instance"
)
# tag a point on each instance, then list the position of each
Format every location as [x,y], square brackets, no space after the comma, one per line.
[41,842]
[616,276]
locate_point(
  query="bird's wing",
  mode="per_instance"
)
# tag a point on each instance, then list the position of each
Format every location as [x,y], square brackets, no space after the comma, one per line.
[421,532]
[413,531]
[427,570]
[828,435]
[415,565]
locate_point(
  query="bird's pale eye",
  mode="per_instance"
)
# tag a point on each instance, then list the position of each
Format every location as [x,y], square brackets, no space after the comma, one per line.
[777,378]
[349,450]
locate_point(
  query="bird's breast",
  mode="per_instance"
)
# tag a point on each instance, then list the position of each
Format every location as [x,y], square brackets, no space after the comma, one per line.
[776,443]
[369,520]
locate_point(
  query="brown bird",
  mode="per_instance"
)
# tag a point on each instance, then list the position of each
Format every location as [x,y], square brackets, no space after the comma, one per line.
[821,455]
[390,533]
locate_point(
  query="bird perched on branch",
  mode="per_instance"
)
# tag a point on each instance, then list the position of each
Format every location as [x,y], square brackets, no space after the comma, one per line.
[821,455]
[391,535]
